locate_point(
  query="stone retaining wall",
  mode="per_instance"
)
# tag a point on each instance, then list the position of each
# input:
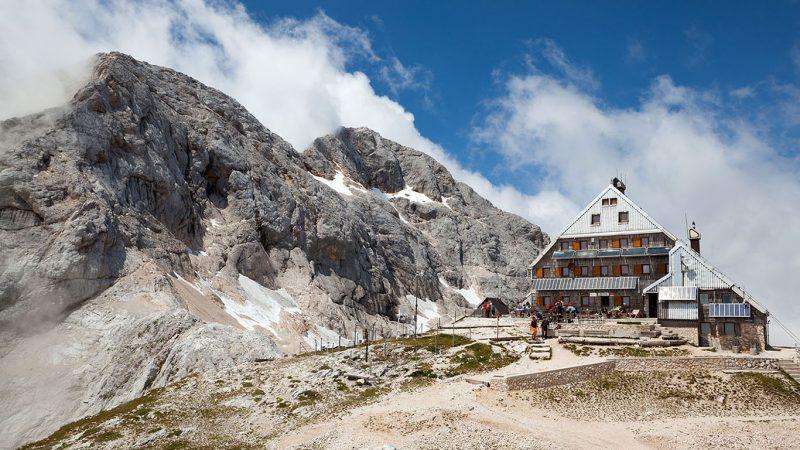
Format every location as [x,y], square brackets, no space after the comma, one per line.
[695,363]
[555,377]
[589,371]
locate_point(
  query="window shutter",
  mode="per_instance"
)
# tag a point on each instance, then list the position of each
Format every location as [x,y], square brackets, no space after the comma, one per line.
[596,271]
[637,242]
[617,270]
[557,271]
[539,301]
[664,268]
[615,243]
[576,245]
[617,301]
[637,269]
[539,273]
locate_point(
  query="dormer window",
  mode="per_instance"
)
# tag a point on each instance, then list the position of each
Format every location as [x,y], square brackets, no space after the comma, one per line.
[623,217]
[595,219]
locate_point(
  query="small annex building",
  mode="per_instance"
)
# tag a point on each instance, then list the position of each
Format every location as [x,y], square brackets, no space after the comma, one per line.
[613,254]
[499,306]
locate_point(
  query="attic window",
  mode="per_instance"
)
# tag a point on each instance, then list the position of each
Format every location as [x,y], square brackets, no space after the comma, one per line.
[595,219]
[623,217]
[611,201]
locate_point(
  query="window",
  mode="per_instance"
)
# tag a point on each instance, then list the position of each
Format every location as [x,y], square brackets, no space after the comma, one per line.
[604,271]
[606,202]
[703,298]
[727,298]
[565,271]
[545,272]
[623,217]
[584,245]
[625,269]
[730,329]
[623,243]
[584,271]
[645,242]
[603,243]
[595,219]
[585,300]
[547,300]
[645,269]
[626,301]
[612,201]
[565,246]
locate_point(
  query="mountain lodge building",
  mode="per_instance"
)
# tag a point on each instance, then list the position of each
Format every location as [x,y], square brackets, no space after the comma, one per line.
[614,254]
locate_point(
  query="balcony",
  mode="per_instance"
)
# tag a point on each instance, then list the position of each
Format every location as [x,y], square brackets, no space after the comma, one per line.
[729,310]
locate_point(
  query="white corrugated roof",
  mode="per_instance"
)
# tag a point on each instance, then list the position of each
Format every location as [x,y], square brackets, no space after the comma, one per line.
[584,284]
[638,220]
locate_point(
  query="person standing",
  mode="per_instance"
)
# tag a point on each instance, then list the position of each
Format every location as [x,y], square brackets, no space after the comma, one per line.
[534,327]
[485,308]
[545,325]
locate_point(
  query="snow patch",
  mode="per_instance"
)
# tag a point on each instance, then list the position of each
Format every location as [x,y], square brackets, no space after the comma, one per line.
[323,336]
[411,195]
[215,223]
[427,312]
[471,295]
[341,184]
[262,306]
[444,201]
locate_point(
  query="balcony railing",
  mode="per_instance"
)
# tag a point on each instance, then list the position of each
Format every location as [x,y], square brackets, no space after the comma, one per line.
[728,310]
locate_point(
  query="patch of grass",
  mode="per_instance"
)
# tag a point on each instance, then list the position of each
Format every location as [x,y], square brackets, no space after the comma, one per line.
[774,385]
[247,384]
[676,393]
[579,350]
[423,371]
[479,357]
[341,386]
[258,393]
[324,367]
[107,436]
[178,444]
[281,403]
[92,422]
[308,397]
[433,342]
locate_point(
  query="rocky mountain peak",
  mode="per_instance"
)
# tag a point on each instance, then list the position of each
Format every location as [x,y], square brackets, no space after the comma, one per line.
[153,226]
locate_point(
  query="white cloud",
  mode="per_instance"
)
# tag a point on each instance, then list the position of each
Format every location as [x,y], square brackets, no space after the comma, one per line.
[400,77]
[679,153]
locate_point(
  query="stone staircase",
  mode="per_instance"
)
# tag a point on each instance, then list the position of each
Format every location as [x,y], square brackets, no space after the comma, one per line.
[791,368]
[540,350]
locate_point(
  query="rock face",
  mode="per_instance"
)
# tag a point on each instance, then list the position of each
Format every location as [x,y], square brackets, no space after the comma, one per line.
[153,227]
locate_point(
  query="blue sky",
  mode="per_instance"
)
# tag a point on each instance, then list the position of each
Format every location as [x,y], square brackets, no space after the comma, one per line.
[717,46]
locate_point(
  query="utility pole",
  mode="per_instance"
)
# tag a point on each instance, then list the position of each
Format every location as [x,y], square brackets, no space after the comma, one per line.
[416,301]
[366,348]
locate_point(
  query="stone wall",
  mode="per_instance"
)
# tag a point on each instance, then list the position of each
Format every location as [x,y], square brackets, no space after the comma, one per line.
[555,377]
[685,329]
[695,363]
[589,371]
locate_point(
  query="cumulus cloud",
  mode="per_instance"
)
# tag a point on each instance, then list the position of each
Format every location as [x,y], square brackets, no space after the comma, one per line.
[681,154]
[292,74]
[400,77]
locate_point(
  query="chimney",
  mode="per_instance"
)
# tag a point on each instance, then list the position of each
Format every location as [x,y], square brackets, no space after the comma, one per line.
[618,184]
[694,238]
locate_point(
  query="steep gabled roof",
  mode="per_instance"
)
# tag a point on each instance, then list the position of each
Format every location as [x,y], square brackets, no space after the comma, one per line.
[638,220]
[704,275]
